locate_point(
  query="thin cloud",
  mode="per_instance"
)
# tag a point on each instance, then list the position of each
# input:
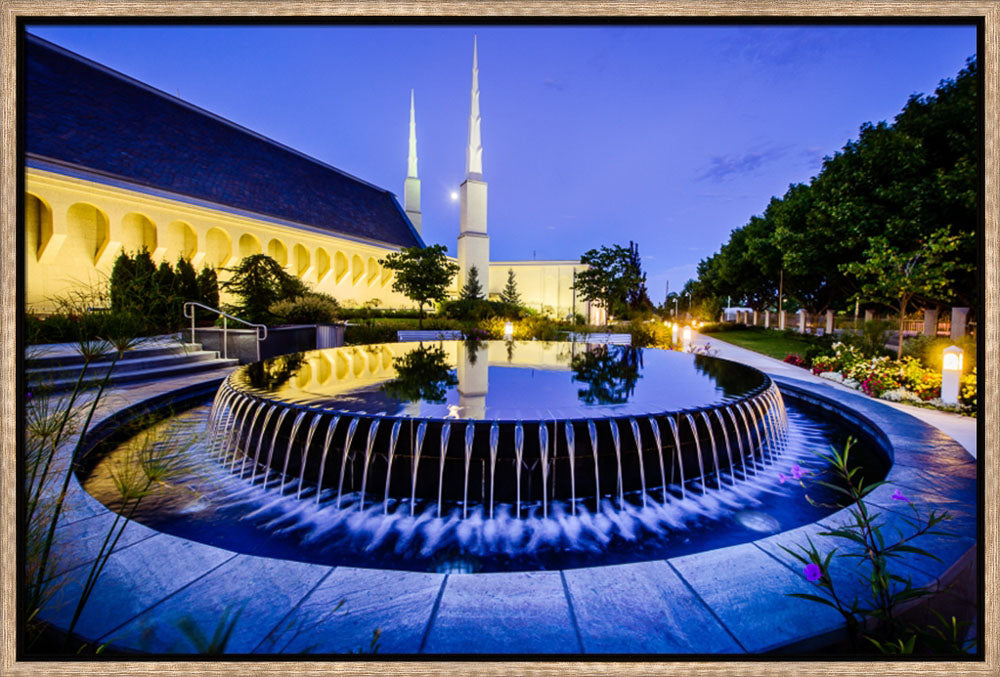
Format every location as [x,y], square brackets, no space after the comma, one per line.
[723,167]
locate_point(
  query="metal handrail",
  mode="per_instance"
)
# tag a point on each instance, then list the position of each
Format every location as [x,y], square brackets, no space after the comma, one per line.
[261,328]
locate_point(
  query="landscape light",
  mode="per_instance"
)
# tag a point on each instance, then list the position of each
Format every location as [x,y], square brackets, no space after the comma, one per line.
[508,330]
[951,373]
[673,333]
[687,337]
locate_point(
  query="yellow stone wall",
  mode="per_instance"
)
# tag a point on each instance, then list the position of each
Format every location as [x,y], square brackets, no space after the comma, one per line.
[75,228]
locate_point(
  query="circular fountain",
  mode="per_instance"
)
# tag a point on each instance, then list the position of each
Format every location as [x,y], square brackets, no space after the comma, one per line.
[483,423]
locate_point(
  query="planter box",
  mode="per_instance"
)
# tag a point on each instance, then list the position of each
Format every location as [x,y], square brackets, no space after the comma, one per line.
[242,343]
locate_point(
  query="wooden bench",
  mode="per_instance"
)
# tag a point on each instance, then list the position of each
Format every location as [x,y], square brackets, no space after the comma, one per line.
[613,339]
[404,335]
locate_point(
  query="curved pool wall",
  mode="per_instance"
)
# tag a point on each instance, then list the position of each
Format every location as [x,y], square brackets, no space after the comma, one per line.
[524,452]
[730,601]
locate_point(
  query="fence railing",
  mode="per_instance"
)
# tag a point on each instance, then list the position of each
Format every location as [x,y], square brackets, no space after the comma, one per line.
[189,312]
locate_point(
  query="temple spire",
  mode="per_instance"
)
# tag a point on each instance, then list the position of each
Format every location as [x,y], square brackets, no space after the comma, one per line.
[411,186]
[411,171]
[474,152]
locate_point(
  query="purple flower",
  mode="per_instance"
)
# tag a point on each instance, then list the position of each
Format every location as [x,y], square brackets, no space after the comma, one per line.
[797,471]
[781,478]
[813,572]
[899,497]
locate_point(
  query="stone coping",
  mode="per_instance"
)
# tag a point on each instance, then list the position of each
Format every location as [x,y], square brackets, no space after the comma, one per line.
[731,600]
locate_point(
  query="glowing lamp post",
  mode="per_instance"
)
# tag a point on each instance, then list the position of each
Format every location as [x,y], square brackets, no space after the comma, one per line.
[673,333]
[951,373]
[508,330]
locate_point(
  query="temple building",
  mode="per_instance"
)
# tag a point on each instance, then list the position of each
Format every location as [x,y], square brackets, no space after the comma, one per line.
[112,164]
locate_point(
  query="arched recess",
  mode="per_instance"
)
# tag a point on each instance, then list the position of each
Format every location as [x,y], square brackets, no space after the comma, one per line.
[300,260]
[37,224]
[322,264]
[324,370]
[339,266]
[138,232]
[248,245]
[218,247]
[303,377]
[372,270]
[276,250]
[357,269]
[182,242]
[87,231]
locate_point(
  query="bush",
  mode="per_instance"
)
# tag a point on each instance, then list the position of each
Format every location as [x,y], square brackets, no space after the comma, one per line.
[795,360]
[360,333]
[309,308]
[476,310]
[929,349]
[870,341]
[967,390]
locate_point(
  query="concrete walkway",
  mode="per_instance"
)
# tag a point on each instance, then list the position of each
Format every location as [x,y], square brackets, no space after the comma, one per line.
[960,428]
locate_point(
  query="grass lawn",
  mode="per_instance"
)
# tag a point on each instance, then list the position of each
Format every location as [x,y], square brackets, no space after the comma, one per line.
[767,342]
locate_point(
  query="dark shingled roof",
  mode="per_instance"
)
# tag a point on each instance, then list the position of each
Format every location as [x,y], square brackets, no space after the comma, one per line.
[80,113]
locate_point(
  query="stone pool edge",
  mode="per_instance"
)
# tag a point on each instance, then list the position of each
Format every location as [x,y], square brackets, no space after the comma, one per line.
[727,601]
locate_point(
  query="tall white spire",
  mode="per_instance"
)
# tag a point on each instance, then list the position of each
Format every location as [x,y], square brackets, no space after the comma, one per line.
[473,242]
[474,152]
[411,171]
[411,187]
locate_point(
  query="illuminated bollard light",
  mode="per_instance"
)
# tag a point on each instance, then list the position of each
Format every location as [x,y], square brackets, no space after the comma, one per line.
[951,374]
[687,338]
[508,330]
[673,333]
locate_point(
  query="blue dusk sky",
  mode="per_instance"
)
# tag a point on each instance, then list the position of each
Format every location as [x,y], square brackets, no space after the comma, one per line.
[671,136]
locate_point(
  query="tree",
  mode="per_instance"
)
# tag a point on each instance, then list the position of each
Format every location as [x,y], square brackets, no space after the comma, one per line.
[258,281]
[510,295]
[208,287]
[637,296]
[893,277]
[163,301]
[187,280]
[422,274]
[122,281]
[473,288]
[608,278]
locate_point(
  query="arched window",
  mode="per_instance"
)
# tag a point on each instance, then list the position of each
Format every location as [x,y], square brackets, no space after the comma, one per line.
[248,245]
[37,224]
[372,270]
[218,248]
[322,264]
[182,242]
[276,250]
[339,266]
[300,260]
[138,232]
[87,231]
[357,269]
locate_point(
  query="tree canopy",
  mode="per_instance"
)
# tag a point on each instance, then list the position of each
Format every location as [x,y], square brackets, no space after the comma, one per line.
[613,279]
[894,186]
[422,274]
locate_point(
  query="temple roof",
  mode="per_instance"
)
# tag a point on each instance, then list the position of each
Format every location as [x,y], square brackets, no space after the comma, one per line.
[85,115]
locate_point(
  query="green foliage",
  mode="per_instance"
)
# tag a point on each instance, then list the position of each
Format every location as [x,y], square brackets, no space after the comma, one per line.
[894,186]
[510,294]
[216,644]
[870,340]
[930,349]
[258,282]
[873,554]
[609,279]
[359,334]
[472,290]
[208,287]
[422,274]
[187,280]
[311,308]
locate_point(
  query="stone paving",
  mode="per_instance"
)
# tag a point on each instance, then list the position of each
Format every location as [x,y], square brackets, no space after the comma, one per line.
[727,601]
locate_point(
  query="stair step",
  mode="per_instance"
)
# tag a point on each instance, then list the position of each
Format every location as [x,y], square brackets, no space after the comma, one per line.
[37,357]
[63,384]
[99,369]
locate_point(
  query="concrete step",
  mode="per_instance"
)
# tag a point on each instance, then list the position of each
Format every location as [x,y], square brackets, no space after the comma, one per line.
[42,356]
[148,374]
[100,368]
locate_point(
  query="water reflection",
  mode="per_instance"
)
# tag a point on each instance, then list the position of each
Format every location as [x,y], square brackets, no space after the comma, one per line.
[274,372]
[422,374]
[610,373]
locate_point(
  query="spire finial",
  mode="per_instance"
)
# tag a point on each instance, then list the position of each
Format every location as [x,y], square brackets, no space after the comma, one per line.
[411,171]
[474,151]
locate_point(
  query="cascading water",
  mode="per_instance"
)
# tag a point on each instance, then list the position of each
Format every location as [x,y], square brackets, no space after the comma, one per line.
[369,456]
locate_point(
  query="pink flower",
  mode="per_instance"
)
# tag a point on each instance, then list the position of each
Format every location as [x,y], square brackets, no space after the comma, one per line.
[813,572]
[797,471]
[781,478]
[899,497]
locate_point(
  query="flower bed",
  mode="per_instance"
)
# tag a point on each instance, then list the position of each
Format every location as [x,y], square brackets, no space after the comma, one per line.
[905,380]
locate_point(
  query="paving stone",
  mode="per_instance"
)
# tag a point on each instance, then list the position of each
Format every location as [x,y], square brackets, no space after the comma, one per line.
[642,608]
[748,591]
[259,589]
[79,542]
[521,612]
[133,580]
[399,603]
